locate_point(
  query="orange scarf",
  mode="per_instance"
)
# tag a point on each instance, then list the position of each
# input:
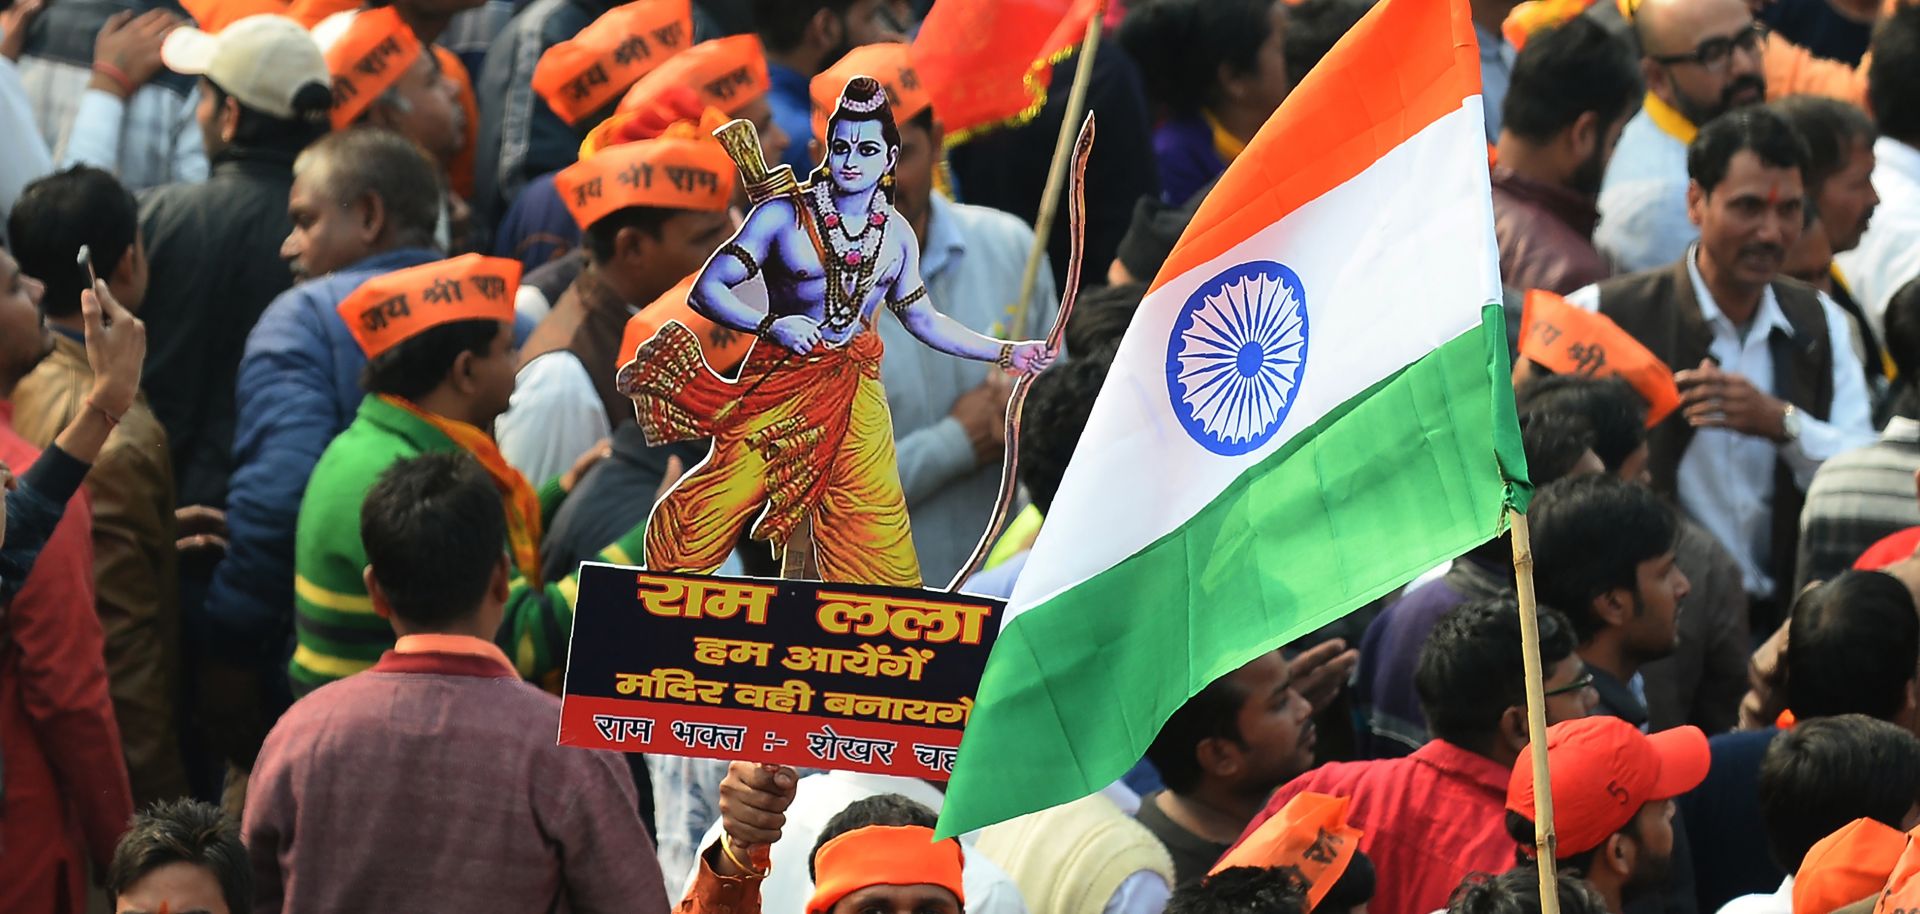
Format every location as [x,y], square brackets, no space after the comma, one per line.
[522,502]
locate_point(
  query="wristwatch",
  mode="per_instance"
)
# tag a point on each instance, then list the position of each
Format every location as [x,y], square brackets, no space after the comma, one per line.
[1790,424]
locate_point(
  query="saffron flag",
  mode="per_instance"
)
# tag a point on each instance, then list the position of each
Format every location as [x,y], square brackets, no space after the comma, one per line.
[1311,407]
[987,63]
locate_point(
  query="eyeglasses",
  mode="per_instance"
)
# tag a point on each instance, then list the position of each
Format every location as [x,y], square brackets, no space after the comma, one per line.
[1580,684]
[1714,53]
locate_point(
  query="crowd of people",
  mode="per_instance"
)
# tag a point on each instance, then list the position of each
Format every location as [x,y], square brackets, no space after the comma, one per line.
[312,323]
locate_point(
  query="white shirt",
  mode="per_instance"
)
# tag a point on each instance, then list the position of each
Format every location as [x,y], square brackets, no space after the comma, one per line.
[149,140]
[23,156]
[1643,200]
[818,798]
[1889,253]
[555,415]
[1725,478]
[1780,902]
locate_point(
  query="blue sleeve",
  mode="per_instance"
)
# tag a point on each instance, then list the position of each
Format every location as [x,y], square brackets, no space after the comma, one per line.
[288,411]
[33,509]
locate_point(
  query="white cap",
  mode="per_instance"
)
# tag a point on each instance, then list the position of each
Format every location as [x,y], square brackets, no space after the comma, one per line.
[263,61]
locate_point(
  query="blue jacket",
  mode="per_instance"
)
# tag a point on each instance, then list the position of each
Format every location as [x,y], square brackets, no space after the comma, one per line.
[298,387]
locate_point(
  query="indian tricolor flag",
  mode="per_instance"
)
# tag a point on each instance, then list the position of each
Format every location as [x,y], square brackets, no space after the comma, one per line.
[1310,407]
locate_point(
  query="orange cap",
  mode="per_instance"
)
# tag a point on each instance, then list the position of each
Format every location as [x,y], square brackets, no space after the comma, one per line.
[726,72]
[1846,866]
[389,309]
[1565,339]
[213,15]
[367,52]
[887,62]
[582,74]
[680,169]
[1604,769]
[724,347]
[883,855]
[1310,834]
[678,104]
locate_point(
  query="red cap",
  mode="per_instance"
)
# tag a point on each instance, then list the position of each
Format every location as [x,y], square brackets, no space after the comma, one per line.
[1604,769]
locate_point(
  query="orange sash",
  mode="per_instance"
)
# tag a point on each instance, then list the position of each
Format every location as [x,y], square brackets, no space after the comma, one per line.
[522,502]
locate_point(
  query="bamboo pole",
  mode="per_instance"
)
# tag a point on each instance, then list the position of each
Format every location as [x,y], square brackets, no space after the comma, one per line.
[1057,171]
[1544,841]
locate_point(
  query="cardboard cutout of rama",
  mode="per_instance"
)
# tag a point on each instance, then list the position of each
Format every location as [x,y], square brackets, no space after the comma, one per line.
[804,433]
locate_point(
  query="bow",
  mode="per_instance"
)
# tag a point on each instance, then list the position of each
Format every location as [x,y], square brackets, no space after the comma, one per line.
[1016,400]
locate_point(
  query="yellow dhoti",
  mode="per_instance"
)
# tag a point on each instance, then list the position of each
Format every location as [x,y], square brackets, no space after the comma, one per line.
[813,439]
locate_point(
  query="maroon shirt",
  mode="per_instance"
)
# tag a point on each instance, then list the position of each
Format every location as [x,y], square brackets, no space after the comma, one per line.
[67,798]
[432,782]
[1430,819]
[1546,235]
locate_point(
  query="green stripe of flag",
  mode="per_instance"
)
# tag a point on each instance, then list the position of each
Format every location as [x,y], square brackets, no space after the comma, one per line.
[1412,472]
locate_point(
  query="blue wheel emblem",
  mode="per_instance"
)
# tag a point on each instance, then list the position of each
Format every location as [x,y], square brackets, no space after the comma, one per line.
[1236,354]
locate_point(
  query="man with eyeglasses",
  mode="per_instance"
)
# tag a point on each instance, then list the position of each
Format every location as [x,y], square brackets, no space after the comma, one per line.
[1701,59]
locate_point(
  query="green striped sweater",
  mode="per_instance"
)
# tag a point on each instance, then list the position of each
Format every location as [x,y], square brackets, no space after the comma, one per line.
[338,633]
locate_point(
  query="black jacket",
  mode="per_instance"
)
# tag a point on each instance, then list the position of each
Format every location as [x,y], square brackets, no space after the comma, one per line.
[214,255]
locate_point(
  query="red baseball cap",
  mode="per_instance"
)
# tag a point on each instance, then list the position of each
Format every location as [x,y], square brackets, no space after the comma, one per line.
[1604,769]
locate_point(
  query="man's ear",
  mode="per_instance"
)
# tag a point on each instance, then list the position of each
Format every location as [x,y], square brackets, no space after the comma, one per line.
[1696,202]
[1220,758]
[500,586]
[1587,133]
[826,29]
[229,119]
[370,213]
[632,242]
[1617,855]
[1614,606]
[381,606]
[1513,729]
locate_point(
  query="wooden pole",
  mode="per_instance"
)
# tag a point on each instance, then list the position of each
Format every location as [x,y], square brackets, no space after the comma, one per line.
[1057,171]
[1544,842]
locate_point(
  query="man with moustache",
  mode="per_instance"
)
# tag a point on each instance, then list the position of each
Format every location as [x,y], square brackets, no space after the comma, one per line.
[1840,162]
[1701,59]
[1769,386]
[1575,87]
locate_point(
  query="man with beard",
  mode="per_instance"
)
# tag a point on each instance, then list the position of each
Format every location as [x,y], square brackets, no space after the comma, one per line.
[1701,59]
[1221,755]
[1574,88]
[1613,790]
[1765,395]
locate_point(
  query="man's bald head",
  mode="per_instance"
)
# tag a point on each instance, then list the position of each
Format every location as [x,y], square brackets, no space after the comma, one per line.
[1701,57]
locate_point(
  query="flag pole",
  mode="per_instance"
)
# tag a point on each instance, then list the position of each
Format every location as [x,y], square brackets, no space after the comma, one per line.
[1057,170]
[1544,841]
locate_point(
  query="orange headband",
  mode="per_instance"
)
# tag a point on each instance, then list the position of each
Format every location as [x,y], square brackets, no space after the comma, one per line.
[887,62]
[677,170]
[582,74]
[1310,834]
[392,308]
[884,855]
[366,59]
[727,72]
[1567,340]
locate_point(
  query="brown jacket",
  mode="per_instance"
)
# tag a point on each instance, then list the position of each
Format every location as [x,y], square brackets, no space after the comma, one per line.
[134,572]
[1545,234]
[1657,307]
